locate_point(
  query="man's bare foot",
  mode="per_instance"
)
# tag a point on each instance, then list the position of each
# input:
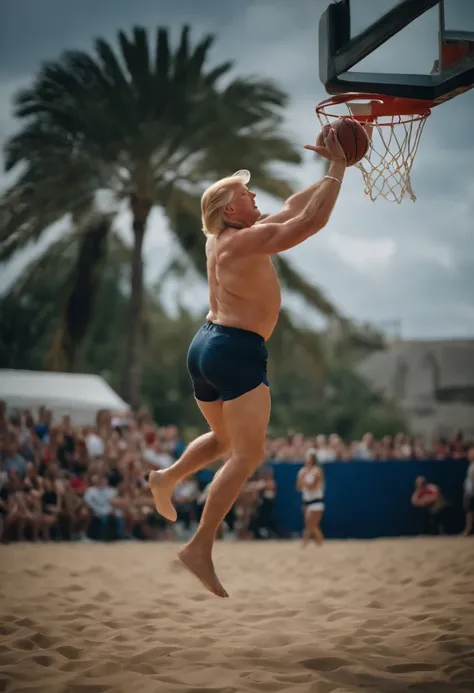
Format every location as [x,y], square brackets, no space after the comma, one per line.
[200,564]
[162,494]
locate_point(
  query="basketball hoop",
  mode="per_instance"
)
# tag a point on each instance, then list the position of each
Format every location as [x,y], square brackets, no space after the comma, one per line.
[394,127]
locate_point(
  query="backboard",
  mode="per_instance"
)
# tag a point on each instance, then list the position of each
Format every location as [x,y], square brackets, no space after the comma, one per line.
[415,49]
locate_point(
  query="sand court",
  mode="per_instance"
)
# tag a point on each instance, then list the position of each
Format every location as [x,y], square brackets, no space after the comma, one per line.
[385,616]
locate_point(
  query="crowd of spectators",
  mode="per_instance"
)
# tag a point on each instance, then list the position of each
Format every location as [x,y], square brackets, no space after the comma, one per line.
[333,448]
[59,480]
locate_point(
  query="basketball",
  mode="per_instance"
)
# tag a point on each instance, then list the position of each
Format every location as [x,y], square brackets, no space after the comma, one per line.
[352,137]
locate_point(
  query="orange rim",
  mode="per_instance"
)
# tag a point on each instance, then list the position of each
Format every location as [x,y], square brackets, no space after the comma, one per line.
[399,109]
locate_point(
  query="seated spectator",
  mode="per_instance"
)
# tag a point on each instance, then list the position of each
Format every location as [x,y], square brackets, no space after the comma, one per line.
[29,445]
[284,450]
[172,443]
[155,454]
[81,455]
[94,443]
[103,422]
[12,460]
[429,499]
[21,518]
[4,493]
[441,449]
[263,524]
[458,447]
[33,482]
[229,519]
[78,481]
[469,493]
[363,449]
[135,508]
[74,513]
[3,418]
[185,501]
[14,481]
[143,420]
[418,449]
[50,508]
[115,475]
[33,514]
[246,505]
[101,500]
[43,424]
[402,442]
[65,447]
[324,452]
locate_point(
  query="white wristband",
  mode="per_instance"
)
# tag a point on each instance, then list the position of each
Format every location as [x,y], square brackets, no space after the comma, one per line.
[332,178]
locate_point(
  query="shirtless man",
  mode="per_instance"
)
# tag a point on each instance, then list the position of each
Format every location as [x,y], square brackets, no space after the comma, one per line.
[227,360]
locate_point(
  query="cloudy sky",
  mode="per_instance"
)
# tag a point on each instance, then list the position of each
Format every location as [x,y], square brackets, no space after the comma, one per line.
[382,262]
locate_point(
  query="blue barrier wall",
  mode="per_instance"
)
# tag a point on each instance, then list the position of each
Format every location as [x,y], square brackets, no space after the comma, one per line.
[365,500]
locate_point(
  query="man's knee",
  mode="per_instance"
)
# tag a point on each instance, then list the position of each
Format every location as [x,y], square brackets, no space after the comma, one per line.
[250,457]
[221,442]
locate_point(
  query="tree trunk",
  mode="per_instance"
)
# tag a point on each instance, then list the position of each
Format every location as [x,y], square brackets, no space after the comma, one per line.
[78,311]
[134,338]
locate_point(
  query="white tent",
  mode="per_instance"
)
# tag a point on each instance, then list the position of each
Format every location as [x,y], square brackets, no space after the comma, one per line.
[76,394]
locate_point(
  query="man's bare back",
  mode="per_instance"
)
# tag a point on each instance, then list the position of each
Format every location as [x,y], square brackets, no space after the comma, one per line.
[244,292]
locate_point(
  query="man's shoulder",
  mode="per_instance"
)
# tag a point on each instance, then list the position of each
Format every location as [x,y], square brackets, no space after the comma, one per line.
[226,242]
[245,242]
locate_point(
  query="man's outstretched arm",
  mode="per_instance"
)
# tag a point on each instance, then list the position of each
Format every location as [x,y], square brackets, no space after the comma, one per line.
[270,237]
[292,207]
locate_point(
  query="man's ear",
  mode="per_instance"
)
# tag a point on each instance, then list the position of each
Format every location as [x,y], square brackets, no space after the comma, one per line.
[229,209]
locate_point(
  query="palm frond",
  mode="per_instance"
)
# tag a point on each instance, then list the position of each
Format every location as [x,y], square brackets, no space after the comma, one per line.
[55,261]
[184,213]
[41,197]
[211,78]
[182,55]
[84,284]
[199,56]
[136,56]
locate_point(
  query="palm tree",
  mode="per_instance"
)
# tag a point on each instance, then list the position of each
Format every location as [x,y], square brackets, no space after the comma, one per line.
[151,126]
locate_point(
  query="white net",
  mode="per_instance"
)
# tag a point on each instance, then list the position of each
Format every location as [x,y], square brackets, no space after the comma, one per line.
[393,144]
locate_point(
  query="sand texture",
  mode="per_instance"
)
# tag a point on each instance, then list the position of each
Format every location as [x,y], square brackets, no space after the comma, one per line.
[384,616]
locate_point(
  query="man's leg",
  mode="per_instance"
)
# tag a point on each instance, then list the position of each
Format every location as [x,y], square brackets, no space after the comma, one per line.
[247,419]
[201,452]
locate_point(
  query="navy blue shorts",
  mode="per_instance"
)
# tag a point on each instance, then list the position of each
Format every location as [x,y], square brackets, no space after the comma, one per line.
[226,362]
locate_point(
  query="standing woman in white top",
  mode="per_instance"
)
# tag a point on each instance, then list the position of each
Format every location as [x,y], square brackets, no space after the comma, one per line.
[469,494]
[310,481]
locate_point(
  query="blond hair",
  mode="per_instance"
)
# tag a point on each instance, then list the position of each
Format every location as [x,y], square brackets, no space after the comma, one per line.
[214,200]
